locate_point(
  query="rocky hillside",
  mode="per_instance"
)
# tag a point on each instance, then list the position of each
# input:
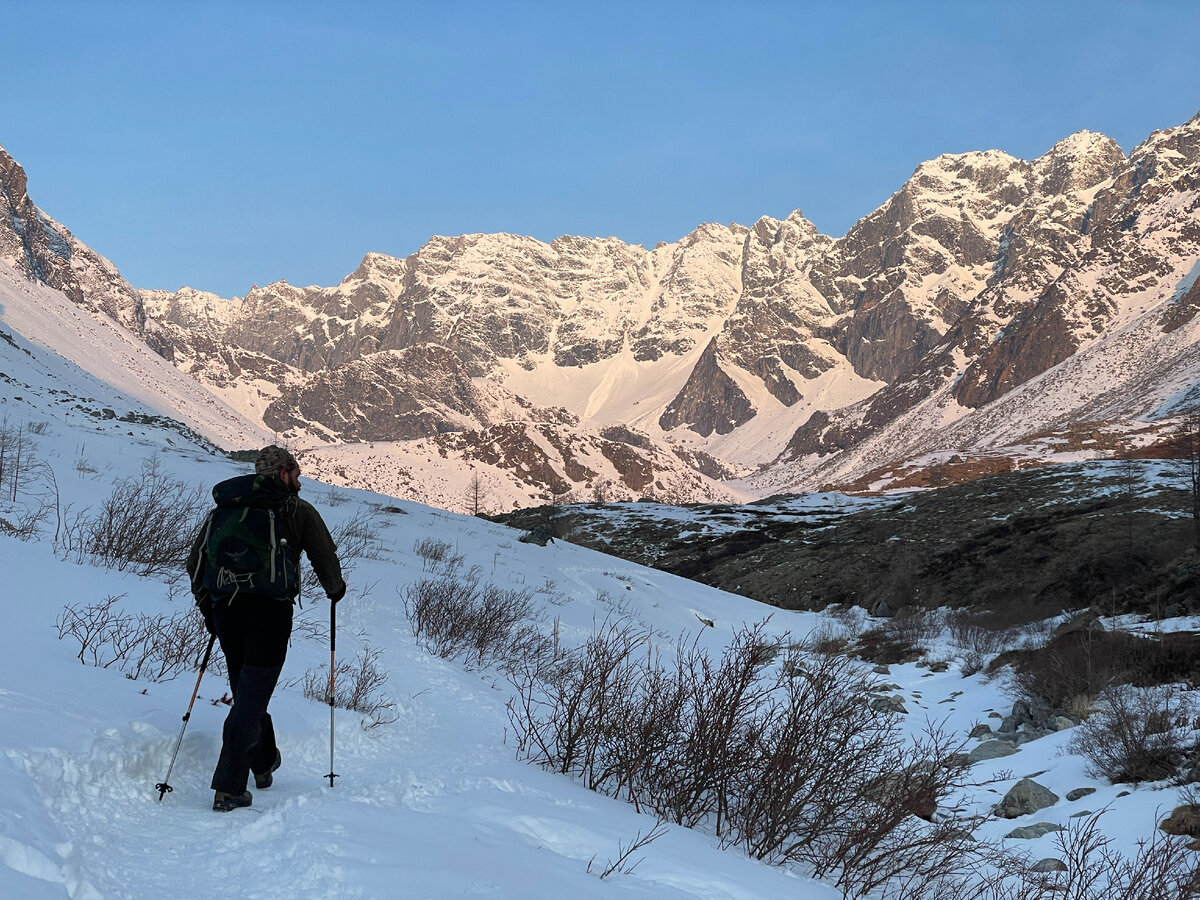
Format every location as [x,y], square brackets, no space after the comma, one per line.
[1023,545]
[42,250]
[993,310]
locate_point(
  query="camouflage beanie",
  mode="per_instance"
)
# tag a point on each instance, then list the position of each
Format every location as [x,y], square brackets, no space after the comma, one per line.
[271,459]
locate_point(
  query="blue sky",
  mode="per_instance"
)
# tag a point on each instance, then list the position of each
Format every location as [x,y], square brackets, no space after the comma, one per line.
[219,145]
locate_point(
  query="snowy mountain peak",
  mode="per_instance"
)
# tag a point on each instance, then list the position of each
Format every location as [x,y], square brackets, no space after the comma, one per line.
[719,350]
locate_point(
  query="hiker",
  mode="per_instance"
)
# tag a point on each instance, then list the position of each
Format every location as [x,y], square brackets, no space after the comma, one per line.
[249,607]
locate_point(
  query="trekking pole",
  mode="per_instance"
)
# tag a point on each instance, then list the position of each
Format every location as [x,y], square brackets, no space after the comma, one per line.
[164,786]
[332,674]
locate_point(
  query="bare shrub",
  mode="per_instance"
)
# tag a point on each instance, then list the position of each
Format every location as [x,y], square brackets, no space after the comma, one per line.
[466,619]
[1163,868]
[789,763]
[432,552]
[580,716]
[29,494]
[886,646]
[145,525]
[977,643]
[839,788]
[1136,734]
[356,538]
[624,864]
[904,637]
[156,647]
[27,521]
[915,625]
[1087,661]
[971,662]
[333,497]
[828,638]
[357,686]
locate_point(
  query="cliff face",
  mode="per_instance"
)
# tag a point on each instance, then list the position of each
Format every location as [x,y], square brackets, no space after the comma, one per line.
[37,246]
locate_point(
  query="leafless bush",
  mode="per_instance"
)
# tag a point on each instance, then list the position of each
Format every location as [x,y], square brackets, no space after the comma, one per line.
[968,634]
[1163,868]
[839,788]
[623,864]
[573,715]
[1136,734]
[27,521]
[1087,661]
[905,636]
[334,497]
[977,644]
[915,625]
[432,551]
[789,763]
[357,686]
[146,525]
[29,495]
[356,538]
[157,647]
[828,638]
[475,622]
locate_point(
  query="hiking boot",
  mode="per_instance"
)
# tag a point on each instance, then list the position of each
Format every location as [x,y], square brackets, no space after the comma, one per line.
[226,802]
[263,780]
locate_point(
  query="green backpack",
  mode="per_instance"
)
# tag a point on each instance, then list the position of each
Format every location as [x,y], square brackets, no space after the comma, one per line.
[245,551]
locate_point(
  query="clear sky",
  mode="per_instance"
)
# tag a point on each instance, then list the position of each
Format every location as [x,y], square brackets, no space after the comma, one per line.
[219,145]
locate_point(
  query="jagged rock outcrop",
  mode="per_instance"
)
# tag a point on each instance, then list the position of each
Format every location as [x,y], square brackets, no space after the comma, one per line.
[710,401]
[34,244]
[1070,271]
[396,395]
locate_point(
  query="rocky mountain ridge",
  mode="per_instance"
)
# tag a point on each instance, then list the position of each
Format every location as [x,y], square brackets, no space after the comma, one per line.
[985,310]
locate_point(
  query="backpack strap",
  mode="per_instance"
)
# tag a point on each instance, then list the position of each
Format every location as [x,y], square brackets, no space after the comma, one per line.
[197,572]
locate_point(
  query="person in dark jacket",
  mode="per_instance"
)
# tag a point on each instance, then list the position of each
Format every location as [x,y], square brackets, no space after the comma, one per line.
[254,631]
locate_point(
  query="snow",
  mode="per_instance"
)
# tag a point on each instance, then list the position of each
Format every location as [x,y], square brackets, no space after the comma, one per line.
[434,804]
[94,342]
[435,801]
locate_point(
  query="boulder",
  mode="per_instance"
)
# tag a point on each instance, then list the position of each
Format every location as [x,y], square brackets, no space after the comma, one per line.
[1183,820]
[894,704]
[1049,864]
[1079,793]
[539,534]
[1025,797]
[991,750]
[1030,832]
[1022,713]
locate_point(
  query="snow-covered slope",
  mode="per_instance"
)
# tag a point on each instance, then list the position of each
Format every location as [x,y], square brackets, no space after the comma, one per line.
[80,353]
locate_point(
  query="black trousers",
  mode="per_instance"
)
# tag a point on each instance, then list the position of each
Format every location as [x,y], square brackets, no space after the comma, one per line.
[254,633]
